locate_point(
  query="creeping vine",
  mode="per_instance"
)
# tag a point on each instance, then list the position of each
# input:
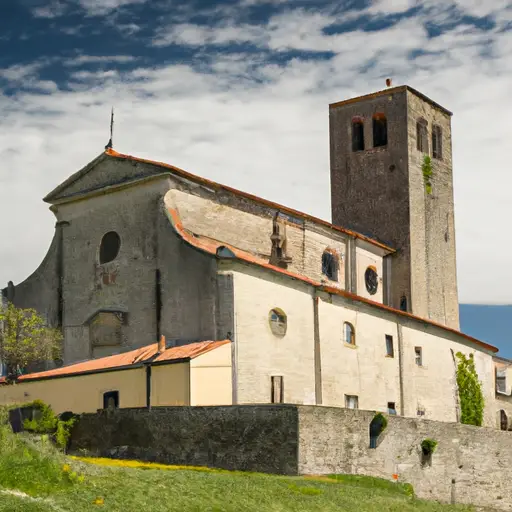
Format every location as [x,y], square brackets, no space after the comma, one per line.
[470,391]
[427,173]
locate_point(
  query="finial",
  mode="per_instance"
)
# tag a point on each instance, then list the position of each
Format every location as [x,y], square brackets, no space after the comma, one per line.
[110,142]
[388,82]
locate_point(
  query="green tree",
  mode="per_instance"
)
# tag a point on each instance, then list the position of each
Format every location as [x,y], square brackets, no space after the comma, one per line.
[470,391]
[25,339]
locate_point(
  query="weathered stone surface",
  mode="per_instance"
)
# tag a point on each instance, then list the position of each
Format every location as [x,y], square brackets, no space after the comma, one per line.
[260,438]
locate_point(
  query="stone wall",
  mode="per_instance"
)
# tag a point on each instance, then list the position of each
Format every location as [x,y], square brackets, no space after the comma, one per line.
[253,438]
[470,464]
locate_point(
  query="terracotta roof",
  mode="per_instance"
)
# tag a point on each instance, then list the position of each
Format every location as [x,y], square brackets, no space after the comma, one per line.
[384,92]
[133,358]
[211,246]
[284,209]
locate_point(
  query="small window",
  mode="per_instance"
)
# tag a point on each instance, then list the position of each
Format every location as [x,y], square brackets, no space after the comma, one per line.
[351,402]
[389,346]
[349,334]
[422,136]
[371,280]
[357,134]
[111,400]
[403,303]
[277,391]
[278,322]
[380,130]
[391,408]
[420,411]
[437,142]
[109,247]
[418,355]
[330,265]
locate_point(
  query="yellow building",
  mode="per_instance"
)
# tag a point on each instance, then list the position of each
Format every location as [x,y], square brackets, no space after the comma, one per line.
[193,374]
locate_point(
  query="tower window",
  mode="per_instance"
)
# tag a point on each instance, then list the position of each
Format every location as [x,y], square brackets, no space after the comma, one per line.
[109,247]
[380,130]
[349,333]
[422,136]
[437,142]
[371,280]
[403,303]
[389,346]
[357,134]
[330,265]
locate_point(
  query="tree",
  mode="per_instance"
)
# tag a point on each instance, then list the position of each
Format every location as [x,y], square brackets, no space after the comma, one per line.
[25,339]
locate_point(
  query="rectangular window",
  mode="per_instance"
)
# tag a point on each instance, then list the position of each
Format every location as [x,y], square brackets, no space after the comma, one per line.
[380,130]
[419,358]
[357,135]
[389,346]
[391,408]
[437,142]
[422,136]
[111,400]
[351,402]
[277,389]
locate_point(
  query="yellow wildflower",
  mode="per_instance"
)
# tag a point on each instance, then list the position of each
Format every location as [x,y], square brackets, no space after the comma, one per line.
[99,501]
[66,468]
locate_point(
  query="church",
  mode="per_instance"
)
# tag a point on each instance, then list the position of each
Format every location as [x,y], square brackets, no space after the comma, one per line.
[360,313]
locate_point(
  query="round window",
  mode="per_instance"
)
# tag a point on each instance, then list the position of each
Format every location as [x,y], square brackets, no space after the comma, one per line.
[109,247]
[278,322]
[371,280]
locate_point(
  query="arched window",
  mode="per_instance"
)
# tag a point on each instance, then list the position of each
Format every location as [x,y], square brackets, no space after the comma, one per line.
[371,280]
[357,134]
[503,420]
[380,130]
[278,322]
[330,264]
[422,135]
[109,247]
[437,142]
[349,333]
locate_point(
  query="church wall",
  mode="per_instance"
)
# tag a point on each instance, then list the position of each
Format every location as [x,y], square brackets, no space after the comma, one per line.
[125,284]
[365,259]
[363,369]
[188,287]
[259,353]
[250,230]
[40,290]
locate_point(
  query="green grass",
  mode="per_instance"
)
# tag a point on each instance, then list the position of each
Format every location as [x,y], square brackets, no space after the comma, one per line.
[52,482]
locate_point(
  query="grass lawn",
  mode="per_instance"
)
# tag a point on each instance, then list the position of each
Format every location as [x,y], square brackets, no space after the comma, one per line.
[34,477]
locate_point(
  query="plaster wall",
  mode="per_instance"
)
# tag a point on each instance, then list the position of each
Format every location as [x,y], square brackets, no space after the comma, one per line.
[170,384]
[259,353]
[211,378]
[81,393]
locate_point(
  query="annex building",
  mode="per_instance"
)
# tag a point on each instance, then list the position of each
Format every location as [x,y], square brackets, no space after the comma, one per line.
[360,313]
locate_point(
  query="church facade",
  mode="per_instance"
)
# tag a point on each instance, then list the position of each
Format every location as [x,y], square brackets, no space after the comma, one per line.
[317,313]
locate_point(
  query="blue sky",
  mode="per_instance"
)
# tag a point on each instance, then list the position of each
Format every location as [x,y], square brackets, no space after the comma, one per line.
[237,92]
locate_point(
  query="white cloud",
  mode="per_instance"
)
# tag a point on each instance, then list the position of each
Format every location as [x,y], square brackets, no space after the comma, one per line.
[263,127]
[98,59]
[53,9]
[103,7]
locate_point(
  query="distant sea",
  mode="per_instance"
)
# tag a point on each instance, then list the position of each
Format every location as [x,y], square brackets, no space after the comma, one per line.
[492,324]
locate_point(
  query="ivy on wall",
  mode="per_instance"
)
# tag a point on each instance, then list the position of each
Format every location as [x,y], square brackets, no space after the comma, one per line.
[427,173]
[470,391]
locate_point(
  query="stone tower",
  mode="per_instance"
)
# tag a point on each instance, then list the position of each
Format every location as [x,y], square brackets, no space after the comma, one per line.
[381,185]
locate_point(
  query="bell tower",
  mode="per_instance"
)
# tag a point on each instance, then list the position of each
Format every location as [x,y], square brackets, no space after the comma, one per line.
[391,177]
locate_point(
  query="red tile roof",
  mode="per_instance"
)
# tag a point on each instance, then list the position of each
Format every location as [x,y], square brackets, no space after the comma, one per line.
[285,209]
[133,358]
[209,245]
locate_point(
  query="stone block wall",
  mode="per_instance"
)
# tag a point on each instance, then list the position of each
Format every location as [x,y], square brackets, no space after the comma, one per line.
[470,464]
[252,438]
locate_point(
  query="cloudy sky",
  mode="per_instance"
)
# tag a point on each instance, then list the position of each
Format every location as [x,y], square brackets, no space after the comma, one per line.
[238,92]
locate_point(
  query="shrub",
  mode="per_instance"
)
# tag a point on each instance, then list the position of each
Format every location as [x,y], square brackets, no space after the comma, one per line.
[428,446]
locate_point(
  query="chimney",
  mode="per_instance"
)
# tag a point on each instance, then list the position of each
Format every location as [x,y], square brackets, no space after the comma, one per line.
[161,344]
[388,82]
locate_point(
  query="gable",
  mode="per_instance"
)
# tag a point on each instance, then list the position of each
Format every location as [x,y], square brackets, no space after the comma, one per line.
[103,172]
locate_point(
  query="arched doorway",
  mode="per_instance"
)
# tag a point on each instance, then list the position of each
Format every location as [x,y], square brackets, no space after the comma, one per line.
[503,420]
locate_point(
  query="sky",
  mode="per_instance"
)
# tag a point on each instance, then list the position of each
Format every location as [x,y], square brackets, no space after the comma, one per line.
[238,92]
